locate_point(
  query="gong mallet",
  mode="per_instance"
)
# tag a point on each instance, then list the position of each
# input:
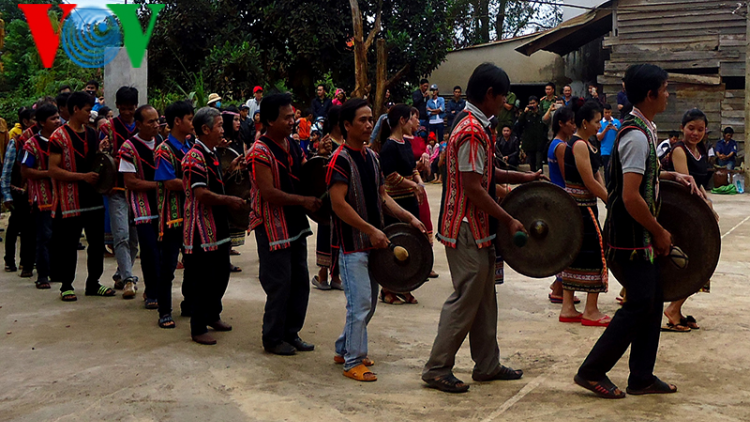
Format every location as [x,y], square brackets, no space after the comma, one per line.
[399,252]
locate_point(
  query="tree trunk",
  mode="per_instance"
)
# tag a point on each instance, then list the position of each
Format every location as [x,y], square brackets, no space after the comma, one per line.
[360,53]
[500,19]
[381,75]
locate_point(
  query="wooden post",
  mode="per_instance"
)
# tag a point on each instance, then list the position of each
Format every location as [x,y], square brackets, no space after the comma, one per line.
[381,75]
[360,52]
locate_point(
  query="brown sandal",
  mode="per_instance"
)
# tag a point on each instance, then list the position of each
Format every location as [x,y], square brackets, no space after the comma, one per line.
[361,373]
[390,298]
[338,359]
[408,298]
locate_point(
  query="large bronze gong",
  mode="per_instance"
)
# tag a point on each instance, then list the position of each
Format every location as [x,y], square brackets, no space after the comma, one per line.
[402,273]
[555,226]
[105,166]
[694,230]
[313,183]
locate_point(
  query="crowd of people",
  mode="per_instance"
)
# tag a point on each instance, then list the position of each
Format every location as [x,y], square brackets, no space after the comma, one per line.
[168,197]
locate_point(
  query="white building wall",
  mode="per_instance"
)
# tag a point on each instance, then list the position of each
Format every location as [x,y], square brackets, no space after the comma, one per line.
[571,12]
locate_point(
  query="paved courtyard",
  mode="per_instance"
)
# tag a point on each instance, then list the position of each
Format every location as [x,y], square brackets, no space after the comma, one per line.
[105,359]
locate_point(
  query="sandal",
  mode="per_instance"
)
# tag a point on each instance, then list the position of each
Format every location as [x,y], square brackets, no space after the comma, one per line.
[68,296]
[151,303]
[604,388]
[102,291]
[408,298]
[676,328]
[390,298]
[658,387]
[361,373]
[448,383]
[559,299]
[233,252]
[338,359]
[503,374]
[42,285]
[601,322]
[166,321]
[235,269]
[689,321]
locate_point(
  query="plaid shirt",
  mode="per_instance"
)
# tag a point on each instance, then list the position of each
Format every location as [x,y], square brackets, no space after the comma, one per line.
[10,158]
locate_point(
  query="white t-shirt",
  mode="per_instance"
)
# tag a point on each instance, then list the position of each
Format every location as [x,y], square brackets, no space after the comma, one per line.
[127,167]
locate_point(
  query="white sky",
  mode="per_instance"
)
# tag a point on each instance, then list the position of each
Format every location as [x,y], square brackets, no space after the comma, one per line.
[94,3]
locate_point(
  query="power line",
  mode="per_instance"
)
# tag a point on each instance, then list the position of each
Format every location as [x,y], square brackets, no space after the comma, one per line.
[552,3]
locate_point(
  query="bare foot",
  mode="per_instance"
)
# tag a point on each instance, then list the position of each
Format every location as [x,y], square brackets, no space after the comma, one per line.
[594,316]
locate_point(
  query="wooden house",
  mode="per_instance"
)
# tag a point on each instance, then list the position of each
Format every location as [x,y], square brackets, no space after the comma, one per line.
[701,43]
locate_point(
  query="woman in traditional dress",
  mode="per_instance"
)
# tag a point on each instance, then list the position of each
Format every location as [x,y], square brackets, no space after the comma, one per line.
[402,180]
[323,258]
[231,123]
[689,156]
[588,273]
[563,126]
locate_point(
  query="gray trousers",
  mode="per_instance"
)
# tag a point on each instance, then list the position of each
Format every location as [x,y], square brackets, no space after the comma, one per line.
[471,309]
[124,234]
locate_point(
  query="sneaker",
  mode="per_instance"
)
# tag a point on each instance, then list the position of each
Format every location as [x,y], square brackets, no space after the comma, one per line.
[128,291]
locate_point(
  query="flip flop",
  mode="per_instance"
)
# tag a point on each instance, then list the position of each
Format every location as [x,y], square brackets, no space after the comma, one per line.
[601,322]
[559,299]
[68,296]
[676,328]
[689,321]
[361,373]
[604,388]
[42,284]
[658,387]
[102,291]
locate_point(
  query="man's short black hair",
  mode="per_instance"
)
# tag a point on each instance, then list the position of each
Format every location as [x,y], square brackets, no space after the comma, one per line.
[552,84]
[641,79]
[62,100]
[139,112]
[533,98]
[674,134]
[728,129]
[423,81]
[178,109]
[307,112]
[93,82]
[126,95]
[45,112]
[332,119]
[349,112]
[79,99]
[64,87]
[24,113]
[486,76]
[320,85]
[269,110]
[607,106]
[457,87]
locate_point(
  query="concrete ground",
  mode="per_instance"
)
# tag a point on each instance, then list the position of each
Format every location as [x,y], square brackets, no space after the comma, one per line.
[104,359]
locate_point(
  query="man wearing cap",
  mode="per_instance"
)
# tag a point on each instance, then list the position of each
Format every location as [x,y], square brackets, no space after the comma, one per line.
[436,111]
[214,100]
[253,104]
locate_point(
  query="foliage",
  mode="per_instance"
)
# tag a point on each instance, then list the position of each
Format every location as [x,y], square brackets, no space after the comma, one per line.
[24,79]
[327,82]
[482,21]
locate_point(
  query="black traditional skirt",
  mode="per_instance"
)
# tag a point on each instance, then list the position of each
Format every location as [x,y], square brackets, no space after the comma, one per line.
[588,273]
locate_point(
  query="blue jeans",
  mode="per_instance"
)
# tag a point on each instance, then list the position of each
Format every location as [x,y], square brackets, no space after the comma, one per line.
[729,164]
[438,130]
[124,234]
[361,298]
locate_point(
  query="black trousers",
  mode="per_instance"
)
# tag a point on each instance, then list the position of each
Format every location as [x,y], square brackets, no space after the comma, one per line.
[21,224]
[43,221]
[535,159]
[286,281]
[64,250]
[206,281]
[637,324]
[148,234]
[169,252]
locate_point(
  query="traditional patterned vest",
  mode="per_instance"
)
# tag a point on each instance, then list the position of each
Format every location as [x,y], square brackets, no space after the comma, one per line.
[455,204]
[263,212]
[355,197]
[171,203]
[198,216]
[141,156]
[65,194]
[622,232]
[117,133]
[40,190]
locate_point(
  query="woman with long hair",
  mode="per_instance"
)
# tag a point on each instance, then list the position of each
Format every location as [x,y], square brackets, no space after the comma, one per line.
[689,156]
[323,257]
[563,126]
[588,273]
[402,180]
[231,123]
